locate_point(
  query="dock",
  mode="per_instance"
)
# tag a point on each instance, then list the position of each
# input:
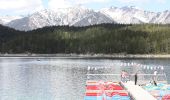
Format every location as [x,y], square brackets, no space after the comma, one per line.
[137,92]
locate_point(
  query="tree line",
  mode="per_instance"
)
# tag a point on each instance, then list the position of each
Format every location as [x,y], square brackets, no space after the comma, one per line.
[103,38]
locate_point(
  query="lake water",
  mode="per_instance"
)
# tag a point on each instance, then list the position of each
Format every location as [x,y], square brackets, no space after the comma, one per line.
[57,78]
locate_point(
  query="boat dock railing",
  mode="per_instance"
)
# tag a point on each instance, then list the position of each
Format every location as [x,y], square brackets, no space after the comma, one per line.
[104,77]
[142,78]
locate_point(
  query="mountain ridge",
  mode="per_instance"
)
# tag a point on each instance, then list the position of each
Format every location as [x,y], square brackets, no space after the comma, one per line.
[81,16]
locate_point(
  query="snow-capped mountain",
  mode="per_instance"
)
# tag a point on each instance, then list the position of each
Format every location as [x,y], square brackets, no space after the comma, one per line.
[67,16]
[75,14]
[6,19]
[1,21]
[128,15]
[162,18]
[94,18]
[37,20]
[80,16]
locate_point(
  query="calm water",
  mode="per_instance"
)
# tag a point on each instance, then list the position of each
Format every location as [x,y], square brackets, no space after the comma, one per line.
[56,78]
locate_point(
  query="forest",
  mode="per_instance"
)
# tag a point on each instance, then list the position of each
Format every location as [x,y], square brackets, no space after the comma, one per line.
[95,39]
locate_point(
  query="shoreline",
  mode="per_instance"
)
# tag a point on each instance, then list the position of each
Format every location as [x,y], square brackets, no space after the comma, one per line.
[116,56]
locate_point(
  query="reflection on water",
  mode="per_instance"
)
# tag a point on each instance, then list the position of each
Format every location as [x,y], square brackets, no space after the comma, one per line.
[55,79]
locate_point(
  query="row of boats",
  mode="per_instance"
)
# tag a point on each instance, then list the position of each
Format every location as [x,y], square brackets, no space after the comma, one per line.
[108,90]
[100,90]
[97,89]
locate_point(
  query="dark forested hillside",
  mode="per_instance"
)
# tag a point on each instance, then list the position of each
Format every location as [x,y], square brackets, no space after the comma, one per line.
[104,38]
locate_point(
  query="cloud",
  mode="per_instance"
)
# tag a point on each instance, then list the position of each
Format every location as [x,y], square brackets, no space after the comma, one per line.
[20,6]
[91,1]
[130,1]
[161,1]
[142,1]
[55,4]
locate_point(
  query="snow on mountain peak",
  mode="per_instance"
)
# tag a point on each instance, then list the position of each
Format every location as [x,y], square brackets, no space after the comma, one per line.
[131,7]
[47,17]
[129,14]
[81,16]
[7,19]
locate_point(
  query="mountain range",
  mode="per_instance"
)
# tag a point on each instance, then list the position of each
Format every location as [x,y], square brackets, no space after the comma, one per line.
[80,16]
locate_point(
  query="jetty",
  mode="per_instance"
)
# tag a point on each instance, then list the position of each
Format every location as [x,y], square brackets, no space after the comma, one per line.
[137,92]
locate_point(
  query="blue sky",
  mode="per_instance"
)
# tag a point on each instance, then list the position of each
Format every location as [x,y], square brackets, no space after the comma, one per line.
[22,7]
[45,3]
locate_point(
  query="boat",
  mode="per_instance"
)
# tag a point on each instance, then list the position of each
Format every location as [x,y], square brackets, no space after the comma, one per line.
[98,88]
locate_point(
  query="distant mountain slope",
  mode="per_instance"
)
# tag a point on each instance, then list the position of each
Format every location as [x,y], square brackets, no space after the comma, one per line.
[6,19]
[1,21]
[6,33]
[129,15]
[94,19]
[162,18]
[80,16]
[8,30]
[67,16]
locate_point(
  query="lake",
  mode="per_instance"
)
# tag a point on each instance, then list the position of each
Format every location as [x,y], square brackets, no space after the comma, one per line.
[58,78]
